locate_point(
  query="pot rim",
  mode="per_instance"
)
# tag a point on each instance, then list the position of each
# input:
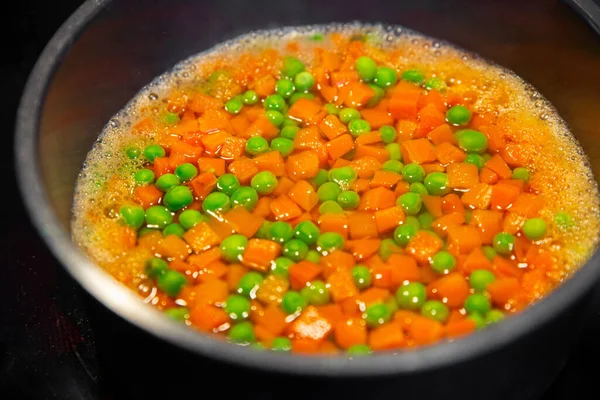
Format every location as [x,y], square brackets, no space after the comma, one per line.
[126,304]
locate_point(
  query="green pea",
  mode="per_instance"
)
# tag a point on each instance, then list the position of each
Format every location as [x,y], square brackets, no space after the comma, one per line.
[468,214]
[234,106]
[386,248]
[281,343]
[478,303]
[494,316]
[366,68]
[257,145]
[153,151]
[295,250]
[237,306]
[265,182]
[563,220]
[437,183]
[249,283]
[348,200]
[144,176]
[362,277]
[289,132]
[133,152]
[329,191]
[155,267]
[158,217]
[316,293]
[410,202]
[393,166]
[411,296]
[489,252]
[377,314]
[385,77]
[475,159]
[435,310]
[292,302]
[458,115]
[186,171]
[521,173]
[321,178]
[387,133]
[330,207]
[227,183]
[413,221]
[307,231]
[478,319]
[264,232]
[171,282]
[292,67]
[413,173]
[250,97]
[359,350]
[285,88]
[413,75]
[349,114]
[435,84]
[242,333]
[145,230]
[534,228]
[216,203]
[245,196]
[232,247]
[173,229]
[379,93]
[443,262]
[404,233]
[504,243]
[275,117]
[329,241]
[471,141]
[179,314]
[167,181]
[274,102]
[282,145]
[418,187]
[297,96]
[281,231]
[281,266]
[480,278]
[313,256]
[304,81]
[426,220]
[394,151]
[343,176]
[358,126]
[178,197]
[132,216]
[190,218]
[331,109]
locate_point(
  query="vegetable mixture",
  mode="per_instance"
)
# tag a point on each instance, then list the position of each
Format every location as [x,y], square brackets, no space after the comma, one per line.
[335,193]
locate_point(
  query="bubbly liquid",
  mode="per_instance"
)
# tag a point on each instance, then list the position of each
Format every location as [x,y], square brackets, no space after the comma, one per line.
[560,169]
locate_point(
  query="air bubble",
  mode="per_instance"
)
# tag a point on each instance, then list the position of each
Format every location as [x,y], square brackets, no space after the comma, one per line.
[398,31]
[436,45]
[153,96]
[389,38]
[544,116]
[114,123]
[502,76]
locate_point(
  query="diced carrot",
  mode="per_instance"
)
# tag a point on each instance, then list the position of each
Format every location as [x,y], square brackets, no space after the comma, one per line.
[335,261]
[202,102]
[147,195]
[311,325]
[478,197]
[401,188]
[379,153]
[389,219]
[403,268]
[447,153]
[425,330]
[270,161]
[405,130]
[366,166]
[214,165]
[262,126]
[214,270]
[379,198]
[460,328]
[332,127]
[362,225]
[190,153]
[201,237]
[442,134]
[452,203]
[403,104]
[440,225]
[453,289]
[386,337]
[488,176]
[355,94]
[514,155]
[145,126]
[342,78]
[505,268]
[429,119]
[284,208]
[213,292]
[433,205]
[259,254]
[341,285]
[263,207]
[363,248]
[360,185]
[207,317]
[418,151]
[243,168]
[423,246]
[329,93]
[503,196]
[203,184]
[214,142]
[306,346]
[284,184]
[239,124]
[243,221]
[173,246]
[233,148]
[339,146]
[376,117]
[273,320]
[302,273]
[304,110]
[385,179]
[498,165]
[518,183]
[528,205]
[488,222]
[503,290]
[302,165]
[264,86]
[340,162]
[272,289]
[334,223]
[476,260]
[368,138]
[332,312]
[350,332]
[433,167]
[462,176]
[462,239]
[161,166]
[234,275]
[434,98]
[304,194]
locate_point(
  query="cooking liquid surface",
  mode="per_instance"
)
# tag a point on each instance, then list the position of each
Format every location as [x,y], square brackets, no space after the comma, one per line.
[559,170]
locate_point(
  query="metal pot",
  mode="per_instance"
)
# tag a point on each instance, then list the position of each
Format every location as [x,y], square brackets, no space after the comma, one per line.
[107,51]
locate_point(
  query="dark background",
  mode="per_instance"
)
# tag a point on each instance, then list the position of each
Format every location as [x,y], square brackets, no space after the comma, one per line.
[48,325]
